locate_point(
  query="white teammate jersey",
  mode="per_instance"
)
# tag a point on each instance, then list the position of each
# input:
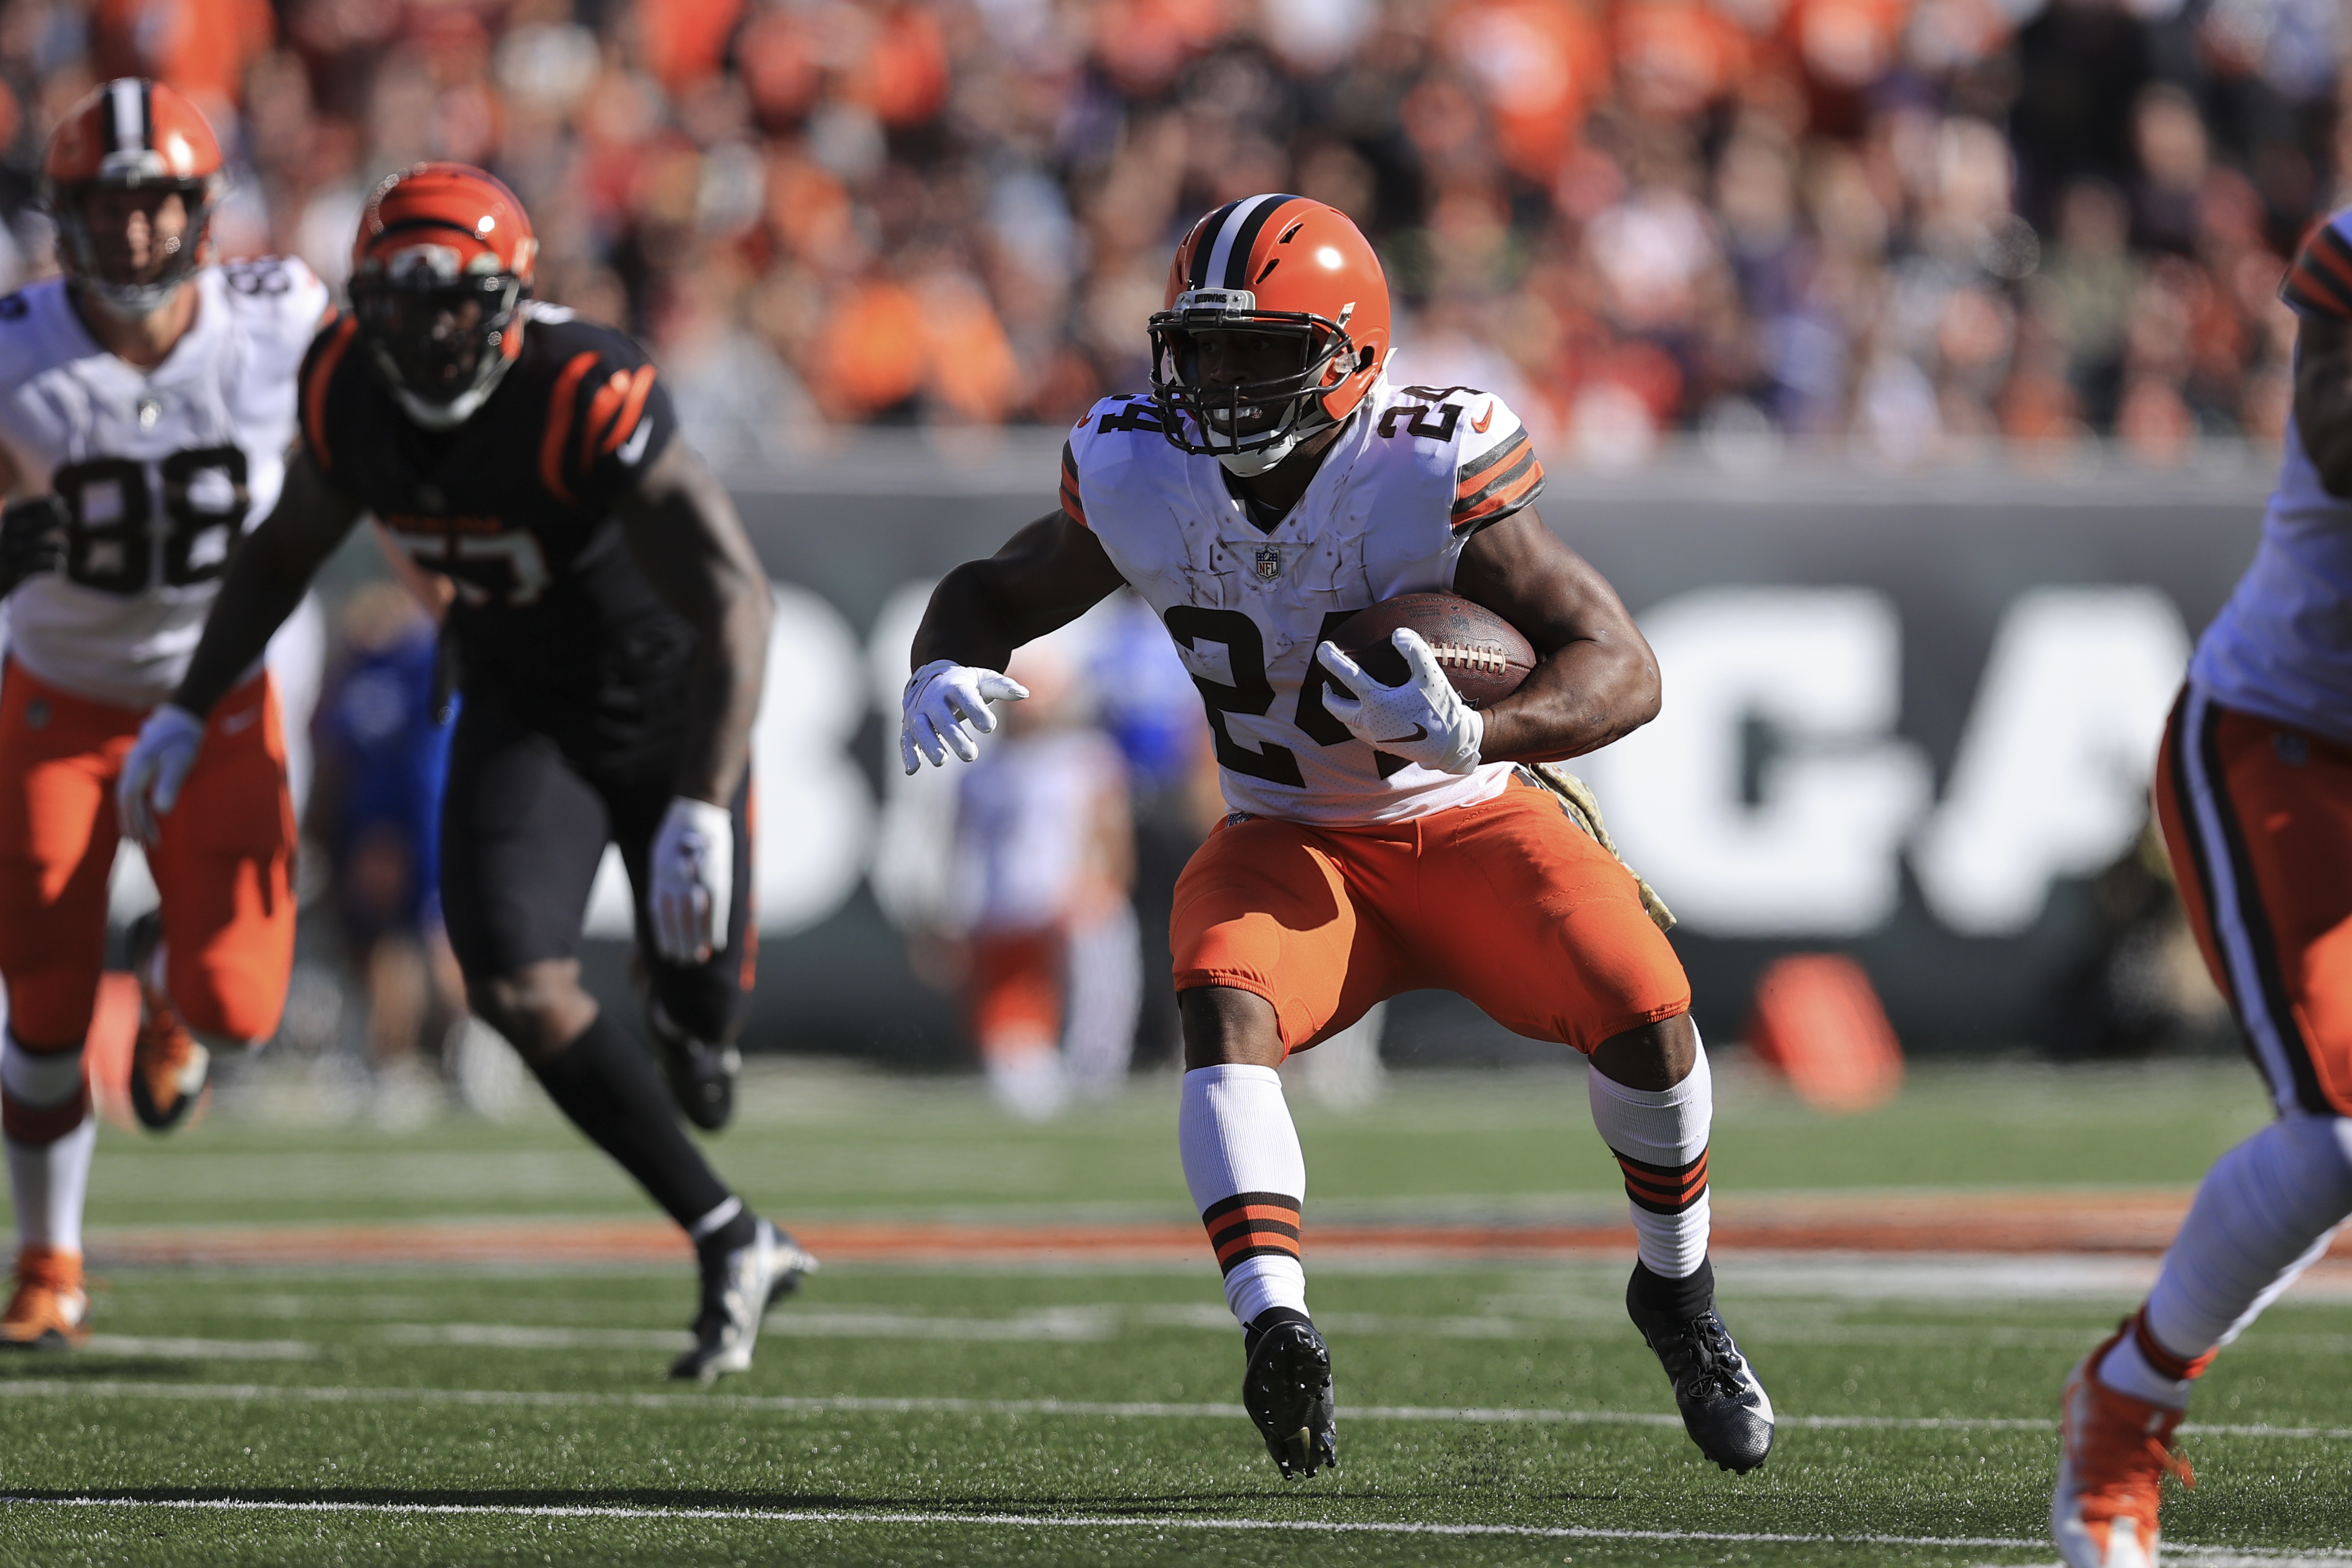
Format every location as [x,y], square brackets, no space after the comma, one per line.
[1415,472]
[2282,647]
[161,472]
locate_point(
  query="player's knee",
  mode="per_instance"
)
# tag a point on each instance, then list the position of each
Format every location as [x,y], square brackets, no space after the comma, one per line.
[1655,1057]
[43,1093]
[52,1010]
[1223,1024]
[540,1007]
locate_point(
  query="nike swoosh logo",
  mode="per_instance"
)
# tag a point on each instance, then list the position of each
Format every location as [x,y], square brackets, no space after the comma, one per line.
[1484,420]
[1420,732]
[238,723]
[635,448]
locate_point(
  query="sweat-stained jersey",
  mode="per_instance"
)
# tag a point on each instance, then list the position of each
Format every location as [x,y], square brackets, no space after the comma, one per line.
[161,472]
[2282,647]
[515,506]
[1415,472]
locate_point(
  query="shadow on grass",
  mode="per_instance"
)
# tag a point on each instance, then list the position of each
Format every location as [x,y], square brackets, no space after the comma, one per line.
[94,1366]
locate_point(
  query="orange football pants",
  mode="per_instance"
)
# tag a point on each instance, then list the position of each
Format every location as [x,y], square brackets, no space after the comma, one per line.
[2257,818]
[1015,990]
[223,866]
[1508,903]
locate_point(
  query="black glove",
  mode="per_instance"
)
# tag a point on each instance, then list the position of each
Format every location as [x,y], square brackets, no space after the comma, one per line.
[32,539]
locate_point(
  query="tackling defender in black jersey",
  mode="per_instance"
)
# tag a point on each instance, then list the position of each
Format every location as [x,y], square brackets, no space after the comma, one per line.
[610,628]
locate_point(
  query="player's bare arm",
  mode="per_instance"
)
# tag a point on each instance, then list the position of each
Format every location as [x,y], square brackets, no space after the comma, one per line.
[265,579]
[2323,399]
[1047,575]
[1595,680]
[684,534]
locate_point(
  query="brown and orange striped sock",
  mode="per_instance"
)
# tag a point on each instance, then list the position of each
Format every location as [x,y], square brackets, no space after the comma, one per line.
[1248,1178]
[1659,1136]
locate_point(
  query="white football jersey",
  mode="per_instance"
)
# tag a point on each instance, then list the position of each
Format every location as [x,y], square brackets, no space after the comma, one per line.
[1416,471]
[161,472]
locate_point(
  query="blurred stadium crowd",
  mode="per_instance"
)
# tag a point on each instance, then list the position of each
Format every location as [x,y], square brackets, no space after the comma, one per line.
[1912,223]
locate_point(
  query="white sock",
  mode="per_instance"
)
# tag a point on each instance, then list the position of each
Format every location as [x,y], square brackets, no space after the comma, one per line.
[1659,1136]
[50,1139]
[1248,1180]
[2264,1212]
[1028,1079]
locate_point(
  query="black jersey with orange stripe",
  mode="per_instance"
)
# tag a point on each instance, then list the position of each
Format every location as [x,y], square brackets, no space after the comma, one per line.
[515,507]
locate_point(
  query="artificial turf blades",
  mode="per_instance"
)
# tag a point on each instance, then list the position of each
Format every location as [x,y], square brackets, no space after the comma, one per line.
[910,1414]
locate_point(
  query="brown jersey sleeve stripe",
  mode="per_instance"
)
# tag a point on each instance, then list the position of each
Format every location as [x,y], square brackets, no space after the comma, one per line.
[1506,495]
[1486,461]
[1072,503]
[1474,487]
[314,395]
[559,406]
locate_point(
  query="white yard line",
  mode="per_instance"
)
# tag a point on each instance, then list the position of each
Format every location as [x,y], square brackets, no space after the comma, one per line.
[205,1349]
[1157,1523]
[233,1392]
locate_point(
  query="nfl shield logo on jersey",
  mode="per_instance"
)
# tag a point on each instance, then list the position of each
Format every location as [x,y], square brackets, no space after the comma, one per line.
[1268,560]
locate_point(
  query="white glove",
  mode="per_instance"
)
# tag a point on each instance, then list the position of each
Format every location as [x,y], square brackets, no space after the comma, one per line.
[156,769]
[941,698]
[1424,720]
[694,880]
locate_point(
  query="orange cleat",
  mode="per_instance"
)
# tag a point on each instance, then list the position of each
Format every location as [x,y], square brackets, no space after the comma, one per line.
[168,1069]
[49,1311]
[2113,1454]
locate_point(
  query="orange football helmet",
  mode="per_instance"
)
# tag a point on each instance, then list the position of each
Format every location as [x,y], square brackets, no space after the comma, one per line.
[1278,266]
[440,269]
[131,133]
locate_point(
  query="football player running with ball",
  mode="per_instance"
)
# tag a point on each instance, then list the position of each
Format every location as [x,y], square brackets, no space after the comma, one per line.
[610,627]
[2253,791]
[1380,837]
[146,403]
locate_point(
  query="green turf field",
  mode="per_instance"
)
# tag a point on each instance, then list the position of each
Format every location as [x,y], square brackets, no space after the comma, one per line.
[1490,1413]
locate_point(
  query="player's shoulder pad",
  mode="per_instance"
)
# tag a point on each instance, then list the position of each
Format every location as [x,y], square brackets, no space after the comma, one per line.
[276,299]
[2318,282]
[601,398]
[1105,439]
[1481,443]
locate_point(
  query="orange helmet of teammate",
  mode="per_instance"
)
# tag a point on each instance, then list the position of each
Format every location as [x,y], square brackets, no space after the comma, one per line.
[131,134]
[439,271]
[1281,266]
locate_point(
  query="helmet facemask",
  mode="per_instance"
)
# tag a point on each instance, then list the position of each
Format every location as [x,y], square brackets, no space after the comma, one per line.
[173,259]
[440,336]
[1248,426]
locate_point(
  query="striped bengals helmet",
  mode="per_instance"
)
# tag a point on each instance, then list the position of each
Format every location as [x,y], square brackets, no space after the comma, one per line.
[440,269]
[131,133]
[1276,265]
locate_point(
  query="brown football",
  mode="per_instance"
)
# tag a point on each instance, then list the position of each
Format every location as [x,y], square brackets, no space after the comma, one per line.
[1483,654]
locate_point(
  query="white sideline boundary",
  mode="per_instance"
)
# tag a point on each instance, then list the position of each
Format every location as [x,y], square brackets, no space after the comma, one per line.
[788,1404]
[2210,1555]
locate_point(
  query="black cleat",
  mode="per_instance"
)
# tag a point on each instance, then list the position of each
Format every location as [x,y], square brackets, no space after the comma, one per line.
[701,1074]
[739,1285]
[1286,1389]
[1725,1409]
